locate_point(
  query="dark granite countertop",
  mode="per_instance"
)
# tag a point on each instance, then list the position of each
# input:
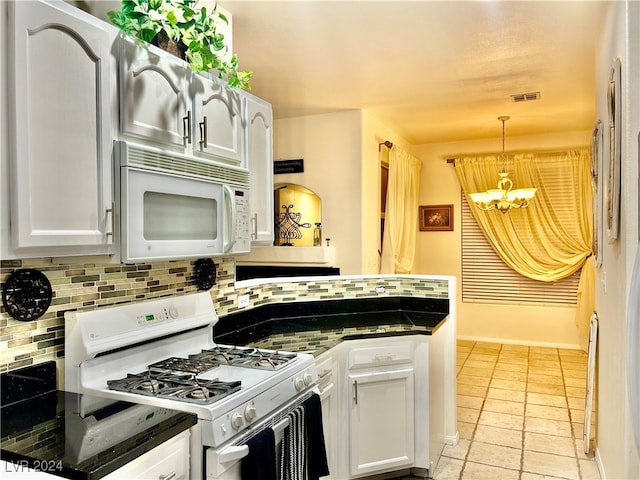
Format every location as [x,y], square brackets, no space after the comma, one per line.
[317,326]
[67,435]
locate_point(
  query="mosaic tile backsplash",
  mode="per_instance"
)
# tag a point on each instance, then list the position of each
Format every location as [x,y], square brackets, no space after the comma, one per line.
[86,286]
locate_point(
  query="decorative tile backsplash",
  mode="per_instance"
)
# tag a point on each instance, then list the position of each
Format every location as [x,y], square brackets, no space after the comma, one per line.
[86,286]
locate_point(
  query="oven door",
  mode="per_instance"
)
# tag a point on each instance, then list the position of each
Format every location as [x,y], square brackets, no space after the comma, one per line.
[166,216]
[224,463]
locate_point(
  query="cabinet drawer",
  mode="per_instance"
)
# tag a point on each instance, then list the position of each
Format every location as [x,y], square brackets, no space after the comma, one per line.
[324,367]
[361,357]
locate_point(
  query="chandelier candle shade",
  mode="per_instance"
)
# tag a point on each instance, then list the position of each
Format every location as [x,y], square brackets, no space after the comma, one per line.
[503,198]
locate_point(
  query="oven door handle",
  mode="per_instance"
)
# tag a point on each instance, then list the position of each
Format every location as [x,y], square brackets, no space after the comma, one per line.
[233,453]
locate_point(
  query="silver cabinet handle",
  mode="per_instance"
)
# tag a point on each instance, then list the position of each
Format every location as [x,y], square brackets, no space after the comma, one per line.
[203,133]
[355,391]
[186,126]
[168,476]
[113,220]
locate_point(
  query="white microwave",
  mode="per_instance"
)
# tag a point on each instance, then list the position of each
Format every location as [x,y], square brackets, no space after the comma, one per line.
[171,206]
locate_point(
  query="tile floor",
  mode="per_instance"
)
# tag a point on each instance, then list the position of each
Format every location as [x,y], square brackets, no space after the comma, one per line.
[520,415]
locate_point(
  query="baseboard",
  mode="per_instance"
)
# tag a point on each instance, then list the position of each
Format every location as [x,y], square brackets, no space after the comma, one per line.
[507,341]
[599,464]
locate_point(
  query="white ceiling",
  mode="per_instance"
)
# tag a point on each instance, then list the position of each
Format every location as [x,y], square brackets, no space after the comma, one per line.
[435,71]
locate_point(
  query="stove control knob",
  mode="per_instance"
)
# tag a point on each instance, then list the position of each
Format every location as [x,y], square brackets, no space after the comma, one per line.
[299,383]
[250,413]
[308,379]
[236,421]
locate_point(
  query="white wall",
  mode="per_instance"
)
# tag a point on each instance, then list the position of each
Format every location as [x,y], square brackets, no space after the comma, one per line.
[438,253]
[331,148]
[617,455]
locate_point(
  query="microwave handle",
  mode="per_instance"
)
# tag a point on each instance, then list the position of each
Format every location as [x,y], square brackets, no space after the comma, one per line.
[227,193]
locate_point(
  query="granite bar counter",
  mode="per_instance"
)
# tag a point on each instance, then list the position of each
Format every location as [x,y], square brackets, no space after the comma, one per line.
[316,326]
[52,431]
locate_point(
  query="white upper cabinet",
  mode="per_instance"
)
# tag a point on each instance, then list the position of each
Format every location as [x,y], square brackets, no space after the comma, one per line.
[163,102]
[218,129]
[155,104]
[60,131]
[259,134]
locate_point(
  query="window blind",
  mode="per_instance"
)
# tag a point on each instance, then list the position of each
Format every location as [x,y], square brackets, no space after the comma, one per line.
[487,279]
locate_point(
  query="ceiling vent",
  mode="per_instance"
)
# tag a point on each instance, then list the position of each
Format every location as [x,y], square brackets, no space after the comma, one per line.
[525,97]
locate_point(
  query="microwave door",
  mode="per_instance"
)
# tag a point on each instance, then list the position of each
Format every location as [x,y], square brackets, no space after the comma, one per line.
[168,217]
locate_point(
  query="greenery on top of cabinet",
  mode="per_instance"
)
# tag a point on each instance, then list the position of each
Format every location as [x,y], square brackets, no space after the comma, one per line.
[195,30]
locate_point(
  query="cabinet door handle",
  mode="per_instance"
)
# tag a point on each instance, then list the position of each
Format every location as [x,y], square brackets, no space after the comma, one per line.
[186,126]
[355,391]
[203,133]
[168,476]
[113,221]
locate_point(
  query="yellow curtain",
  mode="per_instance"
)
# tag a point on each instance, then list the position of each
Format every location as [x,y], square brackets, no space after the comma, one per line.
[541,242]
[401,213]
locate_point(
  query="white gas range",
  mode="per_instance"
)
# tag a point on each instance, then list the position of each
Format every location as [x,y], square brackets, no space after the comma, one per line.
[161,353]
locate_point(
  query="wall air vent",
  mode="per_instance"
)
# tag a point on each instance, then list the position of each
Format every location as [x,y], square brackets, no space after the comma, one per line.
[525,97]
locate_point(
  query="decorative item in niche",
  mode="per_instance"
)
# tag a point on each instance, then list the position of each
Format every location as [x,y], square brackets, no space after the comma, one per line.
[288,226]
[436,218]
[27,294]
[204,273]
[290,229]
[596,178]
[615,151]
[193,28]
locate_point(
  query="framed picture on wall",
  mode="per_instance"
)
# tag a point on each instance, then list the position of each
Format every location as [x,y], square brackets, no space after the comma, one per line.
[615,152]
[436,218]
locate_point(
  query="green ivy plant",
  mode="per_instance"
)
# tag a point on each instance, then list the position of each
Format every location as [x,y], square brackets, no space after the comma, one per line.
[181,22]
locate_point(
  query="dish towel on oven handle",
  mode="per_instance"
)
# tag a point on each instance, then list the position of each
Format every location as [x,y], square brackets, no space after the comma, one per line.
[260,463]
[304,455]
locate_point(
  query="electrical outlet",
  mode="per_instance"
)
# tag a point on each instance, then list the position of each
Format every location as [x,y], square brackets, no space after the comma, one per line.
[243,301]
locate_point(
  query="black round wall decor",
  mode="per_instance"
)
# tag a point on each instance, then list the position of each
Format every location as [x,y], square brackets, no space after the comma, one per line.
[26,294]
[204,273]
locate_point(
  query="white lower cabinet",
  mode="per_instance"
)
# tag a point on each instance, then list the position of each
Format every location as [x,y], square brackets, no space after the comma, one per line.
[168,461]
[329,401]
[381,421]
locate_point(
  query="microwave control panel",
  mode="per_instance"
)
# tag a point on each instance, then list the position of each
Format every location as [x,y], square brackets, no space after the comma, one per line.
[243,221]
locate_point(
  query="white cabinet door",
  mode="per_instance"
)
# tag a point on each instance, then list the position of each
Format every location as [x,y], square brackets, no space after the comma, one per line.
[154,95]
[381,421]
[218,129]
[60,131]
[259,131]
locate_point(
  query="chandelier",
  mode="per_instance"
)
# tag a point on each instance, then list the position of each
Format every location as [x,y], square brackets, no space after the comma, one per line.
[503,198]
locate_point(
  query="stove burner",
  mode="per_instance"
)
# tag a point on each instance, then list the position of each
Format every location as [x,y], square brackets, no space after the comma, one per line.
[186,388]
[245,357]
[177,364]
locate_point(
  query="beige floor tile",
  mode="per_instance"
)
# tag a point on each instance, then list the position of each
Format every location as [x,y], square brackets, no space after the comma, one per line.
[576,403]
[554,465]
[546,412]
[470,402]
[553,371]
[483,357]
[577,415]
[478,471]
[540,442]
[575,382]
[544,350]
[480,364]
[488,346]
[580,453]
[536,476]
[578,429]
[549,427]
[514,359]
[545,399]
[574,366]
[465,430]
[511,367]
[509,375]
[501,420]
[458,369]
[477,372]
[516,348]
[589,470]
[514,354]
[502,394]
[473,380]
[448,469]
[457,451]
[495,455]
[498,436]
[539,362]
[579,392]
[472,390]
[468,415]
[542,388]
[465,343]
[545,379]
[503,406]
[508,385]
